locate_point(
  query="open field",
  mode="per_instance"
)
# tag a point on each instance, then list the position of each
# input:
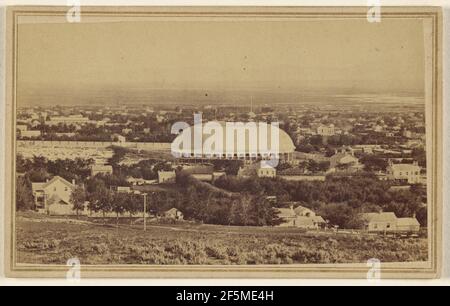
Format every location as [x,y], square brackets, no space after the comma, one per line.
[42,240]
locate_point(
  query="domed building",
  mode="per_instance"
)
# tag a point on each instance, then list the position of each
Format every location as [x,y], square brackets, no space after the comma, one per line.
[233,141]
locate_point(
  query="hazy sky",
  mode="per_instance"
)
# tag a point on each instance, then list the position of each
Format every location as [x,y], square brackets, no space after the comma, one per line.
[137,61]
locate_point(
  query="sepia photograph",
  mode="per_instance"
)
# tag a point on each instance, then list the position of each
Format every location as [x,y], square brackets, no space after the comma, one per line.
[223,142]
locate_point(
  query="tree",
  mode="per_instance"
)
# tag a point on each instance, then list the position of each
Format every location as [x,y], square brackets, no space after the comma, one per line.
[323,166]
[119,203]
[340,214]
[404,203]
[78,198]
[313,166]
[420,155]
[374,163]
[22,164]
[134,204]
[24,196]
[283,166]
[422,216]
[38,175]
[100,199]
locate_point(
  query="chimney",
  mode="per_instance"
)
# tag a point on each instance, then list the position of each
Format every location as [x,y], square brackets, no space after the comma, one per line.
[73,182]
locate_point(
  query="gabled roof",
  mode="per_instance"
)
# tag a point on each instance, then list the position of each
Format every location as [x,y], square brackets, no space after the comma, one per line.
[338,157]
[41,186]
[405,167]
[293,171]
[299,210]
[285,213]
[101,167]
[380,217]
[407,222]
[318,219]
[172,211]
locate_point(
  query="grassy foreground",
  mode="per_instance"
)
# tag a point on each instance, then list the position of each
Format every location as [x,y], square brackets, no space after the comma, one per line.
[54,241]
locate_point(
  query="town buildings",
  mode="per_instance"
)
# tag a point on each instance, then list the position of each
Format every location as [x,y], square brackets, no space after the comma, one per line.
[326,130]
[386,222]
[165,177]
[101,169]
[409,173]
[300,217]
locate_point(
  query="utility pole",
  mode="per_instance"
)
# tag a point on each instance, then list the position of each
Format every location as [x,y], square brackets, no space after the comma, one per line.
[145,212]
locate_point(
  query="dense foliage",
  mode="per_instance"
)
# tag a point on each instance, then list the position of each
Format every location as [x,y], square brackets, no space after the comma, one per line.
[336,196]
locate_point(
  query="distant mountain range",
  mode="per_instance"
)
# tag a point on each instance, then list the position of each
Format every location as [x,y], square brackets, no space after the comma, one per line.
[121,96]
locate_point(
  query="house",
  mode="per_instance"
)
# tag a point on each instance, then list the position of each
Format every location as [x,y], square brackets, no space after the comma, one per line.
[65,134]
[123,189]
[326,130]
[344,160]
[35,123]
[101,169]
[266,172]
[407,134]
[53,196]
[287,215]
[140,181]
[30,133]
[380,222]
[300,217]
[256,170]
[68,120]
[173,213]
[127,131]
[297,174]
[21,127]
[388,222]
[404,172]
[166,177]
[378,128]
[408,225]
[389,134]
[118,138]
[304,212]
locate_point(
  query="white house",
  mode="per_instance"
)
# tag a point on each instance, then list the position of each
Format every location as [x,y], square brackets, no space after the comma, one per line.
[123,189]
[101,169]
[166,177]
[300,217]
[404,172]
[53,196]
[344,160]
[266,172]
[386,222]
[118,138]
[30,133]
[173,213]
[326,130]
[380,222]
[408,225]
[21,127]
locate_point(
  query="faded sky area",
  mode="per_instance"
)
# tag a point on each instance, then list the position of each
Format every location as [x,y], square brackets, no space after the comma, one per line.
[216,61]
